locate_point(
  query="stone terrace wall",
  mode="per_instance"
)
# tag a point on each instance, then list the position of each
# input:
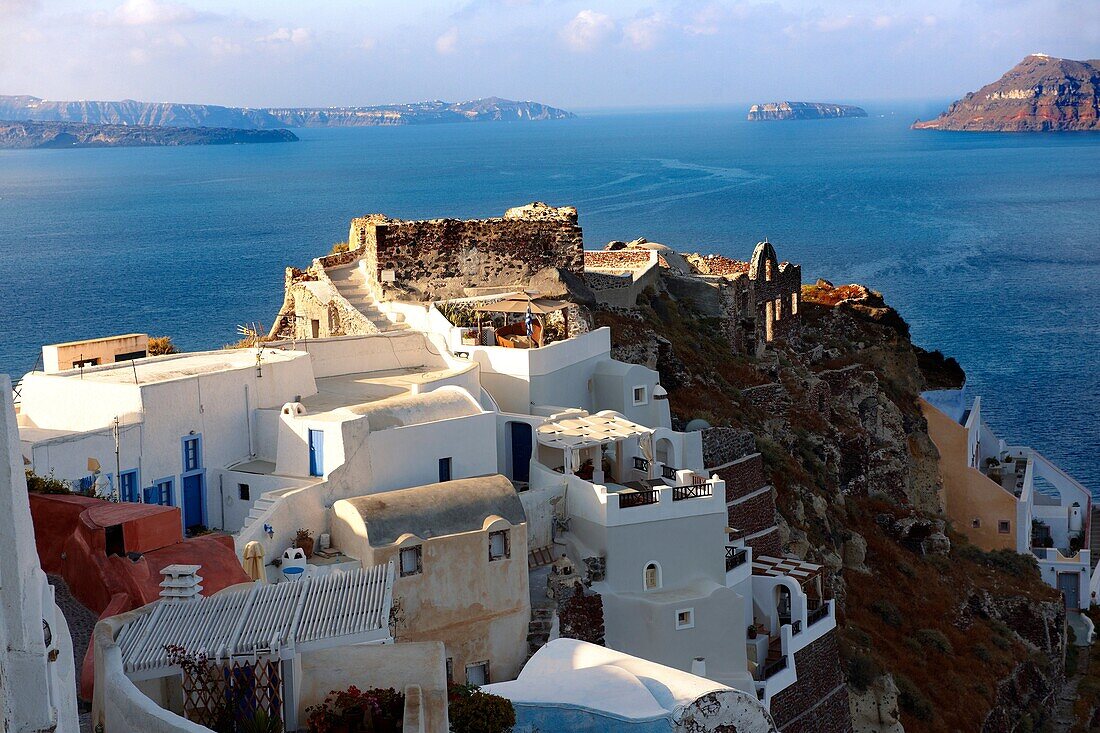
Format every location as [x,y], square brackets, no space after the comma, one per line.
[441,258]
[722,445]
[818,701]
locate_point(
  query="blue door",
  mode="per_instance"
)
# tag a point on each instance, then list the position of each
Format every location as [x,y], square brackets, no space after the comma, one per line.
[128,486]
[520,435]
[316,453]
[193,501]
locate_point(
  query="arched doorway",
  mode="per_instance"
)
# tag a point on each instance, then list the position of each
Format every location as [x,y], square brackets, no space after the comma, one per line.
[664,452]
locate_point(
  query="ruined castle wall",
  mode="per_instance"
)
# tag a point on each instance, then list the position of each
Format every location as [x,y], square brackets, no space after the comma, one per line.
[818,701]
[442,258]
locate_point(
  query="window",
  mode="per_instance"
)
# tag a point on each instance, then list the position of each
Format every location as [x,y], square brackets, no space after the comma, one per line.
[794,304]
[315,328]
[128,486]
[477,673]
[640,397]
[976,523]
[652,577]
[1004,527]
[411,563]
[499,545]
[450,670]
[192,459]
[243,492]
[160,493]
[685,618]
[444,469]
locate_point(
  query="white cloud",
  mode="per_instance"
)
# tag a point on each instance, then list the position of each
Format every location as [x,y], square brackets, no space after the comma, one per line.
[138,55]
[148,13]
[288,36]
[587,30]
[220,46]
[368,43]
[643,32]
[447,43]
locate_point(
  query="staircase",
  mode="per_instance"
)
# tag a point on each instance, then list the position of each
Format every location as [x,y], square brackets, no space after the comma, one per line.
[259,506]
[538,630]
[350,283]
[1094,536]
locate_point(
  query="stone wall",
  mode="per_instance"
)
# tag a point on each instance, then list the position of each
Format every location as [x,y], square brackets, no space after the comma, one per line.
[742,477]
[818,701]
[753,515]
[724,445]
[442,258]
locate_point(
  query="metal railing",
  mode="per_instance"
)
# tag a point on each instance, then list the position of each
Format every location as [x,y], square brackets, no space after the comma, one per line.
[637,498]
[818,613]
[693,491]
[641,464]
[735,557]
[668,472]
[774,667]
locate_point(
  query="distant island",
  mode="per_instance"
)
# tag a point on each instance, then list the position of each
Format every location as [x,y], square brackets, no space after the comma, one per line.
[1040,94]
[802,111]
[172,114]
[29,134]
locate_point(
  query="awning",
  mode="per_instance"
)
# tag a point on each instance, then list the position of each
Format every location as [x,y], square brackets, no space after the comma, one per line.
[584,431]
[307,615]
[776,567]
[522,302]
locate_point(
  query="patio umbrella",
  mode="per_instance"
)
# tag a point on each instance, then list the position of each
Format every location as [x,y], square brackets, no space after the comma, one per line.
[254,561]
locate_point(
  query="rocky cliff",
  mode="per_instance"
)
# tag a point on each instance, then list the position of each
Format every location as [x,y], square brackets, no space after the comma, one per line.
[81,135]
[171,114]
[1039,94]
[802,111]
[935,635]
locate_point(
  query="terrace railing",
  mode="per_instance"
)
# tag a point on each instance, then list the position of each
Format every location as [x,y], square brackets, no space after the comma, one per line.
[668,472]
[630,499]
[774,667]
[641,464]
[735,557]
[817,613]
[693,491]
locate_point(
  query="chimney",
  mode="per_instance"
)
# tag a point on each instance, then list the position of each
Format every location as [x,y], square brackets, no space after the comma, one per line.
[181,583]
[699,666]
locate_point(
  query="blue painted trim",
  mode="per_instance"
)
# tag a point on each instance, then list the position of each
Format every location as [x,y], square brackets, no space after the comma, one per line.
[197,437]
[135,487]
[186,474]
[171,481]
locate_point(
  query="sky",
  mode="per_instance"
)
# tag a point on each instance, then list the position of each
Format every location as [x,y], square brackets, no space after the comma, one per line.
[577,54]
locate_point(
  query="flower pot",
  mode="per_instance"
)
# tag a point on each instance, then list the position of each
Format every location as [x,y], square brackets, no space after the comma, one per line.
[305,545]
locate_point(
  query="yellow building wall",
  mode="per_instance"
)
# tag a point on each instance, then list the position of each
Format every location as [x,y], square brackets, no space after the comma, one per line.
[967,493]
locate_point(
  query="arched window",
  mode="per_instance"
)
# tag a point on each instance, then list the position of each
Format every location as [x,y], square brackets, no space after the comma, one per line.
[652,578]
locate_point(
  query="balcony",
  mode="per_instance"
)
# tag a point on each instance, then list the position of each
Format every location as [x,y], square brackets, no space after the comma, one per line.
[629,499]
[641,464]
[817,610]
[696,490]
[774,667]
[735,557]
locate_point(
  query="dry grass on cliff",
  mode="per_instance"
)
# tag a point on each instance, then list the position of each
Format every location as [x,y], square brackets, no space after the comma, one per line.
[898,619]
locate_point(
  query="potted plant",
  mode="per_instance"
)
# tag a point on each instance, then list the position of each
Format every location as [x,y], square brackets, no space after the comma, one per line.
[304,540]
[358,711]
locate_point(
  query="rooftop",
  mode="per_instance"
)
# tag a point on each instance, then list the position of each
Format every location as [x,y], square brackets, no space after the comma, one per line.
[349,390]
[156,369]
[436,510]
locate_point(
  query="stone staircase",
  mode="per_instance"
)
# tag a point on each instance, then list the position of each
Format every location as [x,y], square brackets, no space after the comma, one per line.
[261,505]
[538,630]
[350,283]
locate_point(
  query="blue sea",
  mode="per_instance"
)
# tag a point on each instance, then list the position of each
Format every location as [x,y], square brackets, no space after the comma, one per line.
[988,244]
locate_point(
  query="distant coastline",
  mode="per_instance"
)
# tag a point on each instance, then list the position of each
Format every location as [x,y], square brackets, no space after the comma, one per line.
[23,135]
[172,114]
[780,111]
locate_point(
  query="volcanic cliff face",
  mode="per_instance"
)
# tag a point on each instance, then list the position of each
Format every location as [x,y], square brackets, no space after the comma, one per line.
[23,135]
[1040,93]
[171,114]
[802,111]
[934,634]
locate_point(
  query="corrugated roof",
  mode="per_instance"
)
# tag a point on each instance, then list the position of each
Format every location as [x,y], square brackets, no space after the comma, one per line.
[313,613]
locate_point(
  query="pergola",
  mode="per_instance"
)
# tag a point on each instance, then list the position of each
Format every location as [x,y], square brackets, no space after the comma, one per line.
[277,621]
[527,301]
[572,433]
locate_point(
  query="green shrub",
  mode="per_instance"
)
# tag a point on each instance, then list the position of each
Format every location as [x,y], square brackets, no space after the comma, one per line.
[982,653]
[862,671]
[888,612]
[934,639]
[474,711]
[911,699]
[46,484]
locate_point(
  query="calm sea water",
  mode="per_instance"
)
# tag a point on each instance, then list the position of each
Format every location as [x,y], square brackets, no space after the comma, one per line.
[988,244]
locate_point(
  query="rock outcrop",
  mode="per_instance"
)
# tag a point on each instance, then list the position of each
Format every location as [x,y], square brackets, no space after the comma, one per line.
[82,135]
[172,114]
[773,111]
[1039,94]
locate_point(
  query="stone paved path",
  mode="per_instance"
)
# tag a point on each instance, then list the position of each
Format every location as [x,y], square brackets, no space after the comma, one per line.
[81,621]
[1063,714]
